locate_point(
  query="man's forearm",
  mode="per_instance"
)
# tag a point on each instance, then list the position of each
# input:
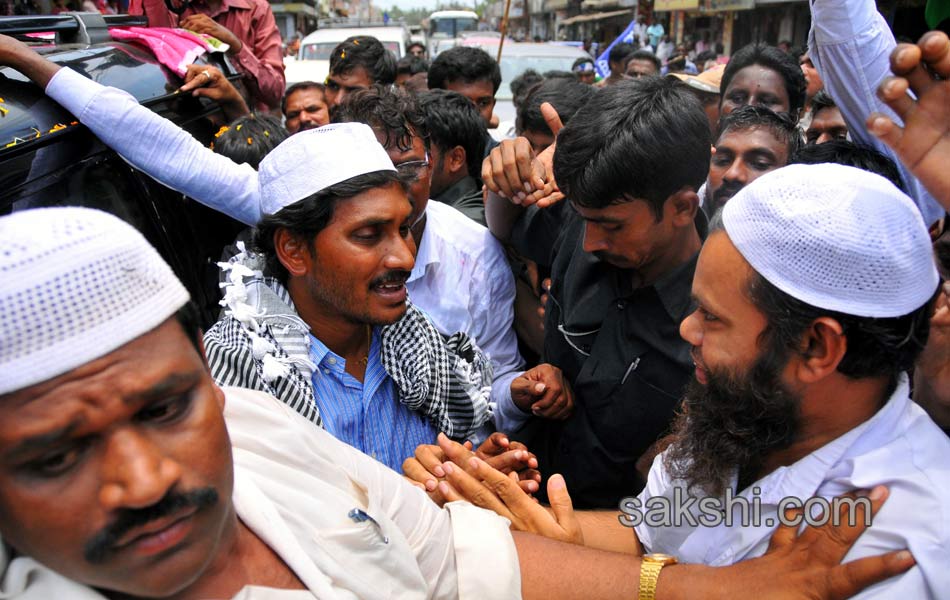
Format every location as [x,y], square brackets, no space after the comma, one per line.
[604,531]
[35,67]
[501,214]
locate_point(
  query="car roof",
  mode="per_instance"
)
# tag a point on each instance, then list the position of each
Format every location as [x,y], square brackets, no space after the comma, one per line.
[518,49]
[342,33]
[453,14]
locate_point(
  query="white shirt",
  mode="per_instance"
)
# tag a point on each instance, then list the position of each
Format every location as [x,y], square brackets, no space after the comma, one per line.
[850,45]
[461,279]
[899,447]
[296,495]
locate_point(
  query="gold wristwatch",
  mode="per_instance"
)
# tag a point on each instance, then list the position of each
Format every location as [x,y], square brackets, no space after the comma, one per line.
[650,566]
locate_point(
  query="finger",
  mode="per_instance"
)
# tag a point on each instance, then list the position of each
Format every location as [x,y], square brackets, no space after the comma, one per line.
[886,130]
[550,199]
[499,176]
[528,486]
[893,91]
[506,462]
[551,118]
[414,471]
[454,451]
[431,457]
[495,444]
[471,488]
[448,492]
[506,490]
[833,542]
[905,62]
[468,444]
[531,474]
[511,174]
[935,51]
[850,578]
[562,506]
[787,530]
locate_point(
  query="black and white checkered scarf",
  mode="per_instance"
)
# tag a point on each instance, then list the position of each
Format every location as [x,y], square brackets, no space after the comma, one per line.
[261,343]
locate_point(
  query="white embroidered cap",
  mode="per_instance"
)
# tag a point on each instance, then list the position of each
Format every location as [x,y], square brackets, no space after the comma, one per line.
[835,237]
[75,284]
[313,160]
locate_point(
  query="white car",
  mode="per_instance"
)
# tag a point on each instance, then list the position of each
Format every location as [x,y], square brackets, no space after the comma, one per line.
[312,62]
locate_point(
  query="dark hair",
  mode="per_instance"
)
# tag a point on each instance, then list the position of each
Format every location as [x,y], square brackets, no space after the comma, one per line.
[567,96]
[414,44]
[644,55]
[308,217]
[876,346]
[617,148]
[367,52]
[464,63]
[772,58]
[844,152]
[189,317]
[390,110]
[822,100]
[522,85]
[452,120]
[620,53]
[300,85]
[556,74]
[780,125]
[703,56]
[410,65]
[250,138]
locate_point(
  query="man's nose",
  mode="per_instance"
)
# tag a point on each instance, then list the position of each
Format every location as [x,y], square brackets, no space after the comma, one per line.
[136,472]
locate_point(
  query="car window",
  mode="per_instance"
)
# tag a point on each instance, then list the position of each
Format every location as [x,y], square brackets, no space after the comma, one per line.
[513,66]
[323,50]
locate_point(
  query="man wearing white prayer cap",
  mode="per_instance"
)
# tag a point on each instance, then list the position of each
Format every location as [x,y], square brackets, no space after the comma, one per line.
[126,472]
[813,295]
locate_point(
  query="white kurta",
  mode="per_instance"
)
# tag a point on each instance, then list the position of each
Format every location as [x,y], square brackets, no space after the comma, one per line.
[296,487]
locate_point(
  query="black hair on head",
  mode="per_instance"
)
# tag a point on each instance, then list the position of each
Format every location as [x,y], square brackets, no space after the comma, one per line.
[466,64]
[522,85]
[250,138]
[644,55]
[566,95]
[780,125]
[822,100]
[410,65]
[844,152]
[772,58]
[300,85]
[620,53]
[392,111]
[367,52]
[452,120]
[640,139]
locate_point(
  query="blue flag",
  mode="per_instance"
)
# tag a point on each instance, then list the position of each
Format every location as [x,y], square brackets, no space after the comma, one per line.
[601,64]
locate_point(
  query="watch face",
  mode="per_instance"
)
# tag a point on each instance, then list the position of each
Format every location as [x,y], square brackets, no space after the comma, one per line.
[664,559]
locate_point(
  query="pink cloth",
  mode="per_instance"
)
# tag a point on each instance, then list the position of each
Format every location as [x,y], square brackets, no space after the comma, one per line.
[260,60]
[174,48]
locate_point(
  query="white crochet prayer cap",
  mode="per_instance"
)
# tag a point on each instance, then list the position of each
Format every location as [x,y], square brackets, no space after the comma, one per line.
[75,284]
[313,160]
[835,237]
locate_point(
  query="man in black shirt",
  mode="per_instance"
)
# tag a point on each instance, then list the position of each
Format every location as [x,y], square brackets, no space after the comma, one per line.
[622,253]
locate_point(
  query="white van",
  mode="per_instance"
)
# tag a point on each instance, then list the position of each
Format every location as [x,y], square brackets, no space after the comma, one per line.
[312,62]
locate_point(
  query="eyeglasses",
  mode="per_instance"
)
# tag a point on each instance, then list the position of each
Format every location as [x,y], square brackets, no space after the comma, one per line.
[413,169]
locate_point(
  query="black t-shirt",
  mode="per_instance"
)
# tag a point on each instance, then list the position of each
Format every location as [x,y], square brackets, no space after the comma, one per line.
[620,349]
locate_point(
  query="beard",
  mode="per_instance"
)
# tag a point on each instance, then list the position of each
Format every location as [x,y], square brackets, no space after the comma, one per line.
[734,421]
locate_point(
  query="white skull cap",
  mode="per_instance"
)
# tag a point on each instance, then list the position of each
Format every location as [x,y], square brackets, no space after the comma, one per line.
[75,284]
[835,237]
[313,160]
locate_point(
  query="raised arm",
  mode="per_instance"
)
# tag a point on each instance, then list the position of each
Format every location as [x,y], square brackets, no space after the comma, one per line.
[147,141]
[850,44]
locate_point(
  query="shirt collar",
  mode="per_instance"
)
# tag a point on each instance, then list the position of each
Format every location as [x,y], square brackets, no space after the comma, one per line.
[426,254]
[462,188]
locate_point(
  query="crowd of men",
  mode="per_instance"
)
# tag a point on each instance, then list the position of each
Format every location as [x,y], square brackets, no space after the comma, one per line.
[447,366]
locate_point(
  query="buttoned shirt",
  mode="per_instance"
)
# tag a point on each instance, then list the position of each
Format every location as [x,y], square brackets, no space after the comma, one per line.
[900,447]
[850,45]
[260,59]
[366,415]
[618,346]
[460,279]
[346,525]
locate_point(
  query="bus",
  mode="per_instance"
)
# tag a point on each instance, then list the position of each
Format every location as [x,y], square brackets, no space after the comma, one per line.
[448,24]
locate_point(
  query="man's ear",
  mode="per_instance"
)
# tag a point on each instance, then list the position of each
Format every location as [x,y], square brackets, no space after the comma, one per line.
[681,207]
[292,252]
[823,347]
[455,160]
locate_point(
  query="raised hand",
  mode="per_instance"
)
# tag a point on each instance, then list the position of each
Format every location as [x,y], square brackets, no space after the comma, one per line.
[923,144]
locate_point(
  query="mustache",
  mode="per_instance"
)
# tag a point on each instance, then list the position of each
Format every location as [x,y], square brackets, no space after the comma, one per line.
[398,276]
[98,548]
[727,190]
